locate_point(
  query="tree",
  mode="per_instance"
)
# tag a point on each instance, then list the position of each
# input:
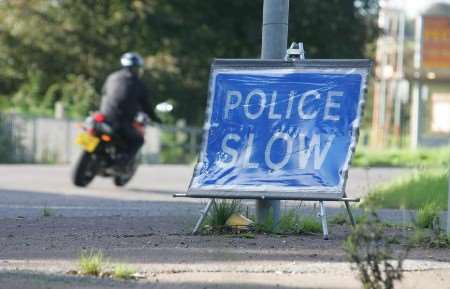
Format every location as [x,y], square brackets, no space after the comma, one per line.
[49,47]
[194,32]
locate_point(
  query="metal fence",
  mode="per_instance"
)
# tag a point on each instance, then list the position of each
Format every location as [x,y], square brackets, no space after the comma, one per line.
[47,140]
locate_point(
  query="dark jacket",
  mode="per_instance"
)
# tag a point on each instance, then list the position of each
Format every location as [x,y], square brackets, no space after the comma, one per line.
[124,95]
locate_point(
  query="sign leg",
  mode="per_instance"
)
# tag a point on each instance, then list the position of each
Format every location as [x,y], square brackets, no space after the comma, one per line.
[323,216]
[203,214]
[268,209]
[350,215]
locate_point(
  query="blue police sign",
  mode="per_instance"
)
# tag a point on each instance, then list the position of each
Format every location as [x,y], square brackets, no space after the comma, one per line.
[280,129]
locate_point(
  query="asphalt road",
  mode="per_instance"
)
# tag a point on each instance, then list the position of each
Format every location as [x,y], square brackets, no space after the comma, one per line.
[25,190]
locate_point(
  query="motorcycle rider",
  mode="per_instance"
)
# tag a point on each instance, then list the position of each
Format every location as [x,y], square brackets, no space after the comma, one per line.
[124,95]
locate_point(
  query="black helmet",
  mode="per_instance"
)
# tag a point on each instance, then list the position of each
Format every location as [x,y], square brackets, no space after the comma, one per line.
[131,59]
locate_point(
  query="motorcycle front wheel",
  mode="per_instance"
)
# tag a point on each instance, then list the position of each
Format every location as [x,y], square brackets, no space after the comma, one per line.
[84,170]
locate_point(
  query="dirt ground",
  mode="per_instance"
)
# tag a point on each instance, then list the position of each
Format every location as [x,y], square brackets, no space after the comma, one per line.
[38,252]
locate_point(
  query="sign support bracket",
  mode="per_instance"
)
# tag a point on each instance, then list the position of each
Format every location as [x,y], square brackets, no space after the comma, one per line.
[350,215]
[203,214]
[323,216]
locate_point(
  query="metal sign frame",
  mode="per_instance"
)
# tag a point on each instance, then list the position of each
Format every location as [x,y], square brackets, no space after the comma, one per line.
[361,67]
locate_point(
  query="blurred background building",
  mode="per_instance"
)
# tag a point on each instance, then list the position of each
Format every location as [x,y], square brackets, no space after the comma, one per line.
[411,102]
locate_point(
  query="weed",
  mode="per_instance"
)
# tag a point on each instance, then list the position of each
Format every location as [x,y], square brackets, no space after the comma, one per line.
[438,240]
[343,219]
[340,219]
[429,239]
[220,212]
[91,262]
[418,238]
[428,231]
[371,252]
[290,223]
[268,226]
[310,225]
[428,216]
[361,219]
[124,272]
[47,212]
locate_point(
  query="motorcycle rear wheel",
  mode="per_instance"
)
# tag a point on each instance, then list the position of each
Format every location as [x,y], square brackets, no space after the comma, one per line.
[84,170]
[123,179]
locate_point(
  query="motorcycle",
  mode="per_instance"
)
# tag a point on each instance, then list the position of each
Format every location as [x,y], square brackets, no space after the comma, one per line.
[101,151]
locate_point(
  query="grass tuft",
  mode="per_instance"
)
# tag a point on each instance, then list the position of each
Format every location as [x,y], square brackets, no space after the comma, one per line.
[124,272]
[91,262]
[310,225]
[47,212]
[427,216]
[340,219]
[268,226]
[429,239]
[220,212]
[291,223]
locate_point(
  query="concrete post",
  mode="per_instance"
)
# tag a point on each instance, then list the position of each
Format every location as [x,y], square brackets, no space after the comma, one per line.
[415,116]
[448,202]
[274,45]
[275,29]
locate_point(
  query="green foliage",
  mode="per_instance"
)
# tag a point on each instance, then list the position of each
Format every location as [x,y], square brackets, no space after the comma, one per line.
[427,216]
[372,253]
[413,192]
[290,223]
[340,219]
[436,157]
[124,272]
[175,148]
[418,238]
[47,48]
[76,93]
[268,226]
[429,239]
[428,232]
[310,225]
[9,143]
[47,212]
[62,50]
[220,212]
[335,21]
[91,262]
